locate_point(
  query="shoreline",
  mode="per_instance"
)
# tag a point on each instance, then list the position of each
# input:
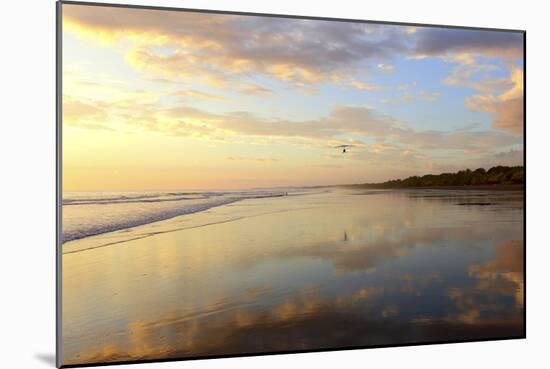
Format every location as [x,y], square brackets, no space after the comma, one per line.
[154,215]
[504,187]
[353,187]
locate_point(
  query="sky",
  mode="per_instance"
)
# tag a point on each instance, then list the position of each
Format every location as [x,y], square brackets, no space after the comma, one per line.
[164,100]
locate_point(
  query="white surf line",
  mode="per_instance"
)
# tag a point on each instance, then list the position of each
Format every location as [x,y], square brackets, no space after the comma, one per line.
[181,229]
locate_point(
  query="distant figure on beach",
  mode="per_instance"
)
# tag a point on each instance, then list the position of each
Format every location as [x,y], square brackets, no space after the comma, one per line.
[343,147]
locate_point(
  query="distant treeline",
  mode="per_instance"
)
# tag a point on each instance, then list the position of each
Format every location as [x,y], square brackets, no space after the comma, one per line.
[499,175]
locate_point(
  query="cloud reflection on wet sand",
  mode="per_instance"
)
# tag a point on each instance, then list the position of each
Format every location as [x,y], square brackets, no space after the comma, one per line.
[303,322]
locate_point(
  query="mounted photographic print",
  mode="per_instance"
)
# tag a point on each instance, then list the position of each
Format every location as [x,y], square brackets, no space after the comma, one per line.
[238,184]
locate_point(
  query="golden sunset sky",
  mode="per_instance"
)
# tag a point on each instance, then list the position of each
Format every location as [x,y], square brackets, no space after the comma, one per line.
[162,100]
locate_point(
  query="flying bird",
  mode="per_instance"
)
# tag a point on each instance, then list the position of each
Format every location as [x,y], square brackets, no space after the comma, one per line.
[343,147]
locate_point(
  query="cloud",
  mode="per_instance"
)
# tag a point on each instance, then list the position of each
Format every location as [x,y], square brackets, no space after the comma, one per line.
[222,46]
[363,85]
[505,105]
[501,97]
[253,89]
[475,76]
[467,140]
[83,114]
[508,114]
[179,65]
[409,93]
[341,120]
[221,50]
[241,158]
[386,68]
[509,157]
[197,95]
[394,143]
[431,41]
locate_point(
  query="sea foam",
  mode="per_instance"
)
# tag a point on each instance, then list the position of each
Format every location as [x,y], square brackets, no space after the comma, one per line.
[92,213]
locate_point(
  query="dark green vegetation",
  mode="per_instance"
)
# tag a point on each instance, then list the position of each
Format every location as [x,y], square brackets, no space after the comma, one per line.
[499,175]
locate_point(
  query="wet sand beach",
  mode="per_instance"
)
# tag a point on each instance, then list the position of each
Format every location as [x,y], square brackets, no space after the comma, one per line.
[327,269]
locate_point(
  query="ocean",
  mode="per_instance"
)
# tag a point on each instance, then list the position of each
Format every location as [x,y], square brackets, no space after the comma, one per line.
[92,213]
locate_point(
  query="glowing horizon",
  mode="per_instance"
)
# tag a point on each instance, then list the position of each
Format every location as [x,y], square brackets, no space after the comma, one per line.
[159,100]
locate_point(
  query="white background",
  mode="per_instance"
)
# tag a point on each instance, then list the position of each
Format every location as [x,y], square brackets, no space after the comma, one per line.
[27,180]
